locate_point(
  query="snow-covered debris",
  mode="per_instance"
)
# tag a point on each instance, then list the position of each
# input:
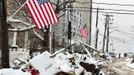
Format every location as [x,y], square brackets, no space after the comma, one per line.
[44,64]
[66,68]
[10,71]
[63,62]
[42,60]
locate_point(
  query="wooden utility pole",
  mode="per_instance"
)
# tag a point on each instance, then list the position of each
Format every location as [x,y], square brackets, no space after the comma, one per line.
[104,37]
[90,25]
[107,43]
[70,27]
[106,32]
[4,35]
[69,34]
[97,29]
[0,31]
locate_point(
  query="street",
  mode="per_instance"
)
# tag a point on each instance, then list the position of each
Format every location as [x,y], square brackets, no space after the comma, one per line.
[118,67]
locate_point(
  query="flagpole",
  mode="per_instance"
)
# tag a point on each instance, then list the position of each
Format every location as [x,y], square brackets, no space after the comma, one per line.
[18,9]
[50,39]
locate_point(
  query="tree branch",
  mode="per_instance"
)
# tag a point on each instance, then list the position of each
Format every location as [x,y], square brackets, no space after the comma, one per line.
[40,37]
[22,30]
[10,19]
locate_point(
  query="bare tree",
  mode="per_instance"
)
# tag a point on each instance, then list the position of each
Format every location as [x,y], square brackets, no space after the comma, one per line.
[22,21]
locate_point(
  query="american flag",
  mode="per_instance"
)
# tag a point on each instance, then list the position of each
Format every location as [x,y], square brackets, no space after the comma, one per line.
[42,13]
[84,31]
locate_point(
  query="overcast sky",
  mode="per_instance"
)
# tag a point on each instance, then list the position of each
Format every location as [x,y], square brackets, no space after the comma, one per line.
[122,29]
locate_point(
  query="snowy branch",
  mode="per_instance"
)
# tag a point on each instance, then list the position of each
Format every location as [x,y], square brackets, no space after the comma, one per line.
[29,27]
[63,49]
[9,19]
[40,37]
[90,47]
[23,29]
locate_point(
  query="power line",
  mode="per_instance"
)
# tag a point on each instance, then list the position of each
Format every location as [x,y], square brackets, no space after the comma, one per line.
[107,12]
[116,38]
[129,5]
[108,9]
[124,10]
[124,32]
[114,11]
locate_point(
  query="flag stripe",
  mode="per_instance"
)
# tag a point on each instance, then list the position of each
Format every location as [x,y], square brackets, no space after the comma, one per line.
[42,13]
[45,6]
[50,16]
[45,12]
[54,16]
[38,12]
[33,15]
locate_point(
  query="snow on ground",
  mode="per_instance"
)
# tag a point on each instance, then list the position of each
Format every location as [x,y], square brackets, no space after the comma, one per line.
[122,66]
[131,65]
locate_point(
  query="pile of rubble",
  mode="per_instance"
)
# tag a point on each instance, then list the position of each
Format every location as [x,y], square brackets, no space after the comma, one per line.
[60,63]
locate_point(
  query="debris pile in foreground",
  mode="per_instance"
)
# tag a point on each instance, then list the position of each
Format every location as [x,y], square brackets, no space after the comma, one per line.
[60,64]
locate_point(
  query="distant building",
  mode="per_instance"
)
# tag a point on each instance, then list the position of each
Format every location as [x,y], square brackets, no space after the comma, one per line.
[79,6]
[79,16]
